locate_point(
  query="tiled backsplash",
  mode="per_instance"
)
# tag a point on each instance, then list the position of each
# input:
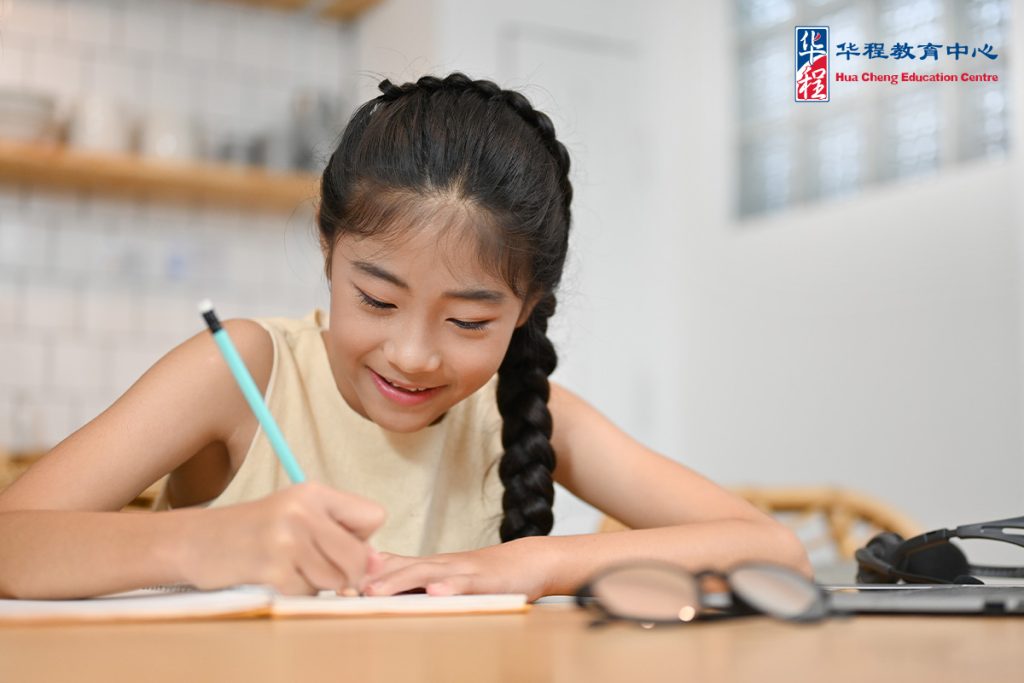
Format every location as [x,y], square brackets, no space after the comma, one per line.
[93,290]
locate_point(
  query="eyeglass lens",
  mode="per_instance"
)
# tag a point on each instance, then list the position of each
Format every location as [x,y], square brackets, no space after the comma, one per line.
[648,594]
[774,591]
[672,594]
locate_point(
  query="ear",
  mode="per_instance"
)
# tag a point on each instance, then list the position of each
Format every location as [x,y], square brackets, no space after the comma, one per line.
[528,306]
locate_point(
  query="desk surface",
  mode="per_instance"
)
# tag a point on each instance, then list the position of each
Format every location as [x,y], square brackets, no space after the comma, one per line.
[550,643]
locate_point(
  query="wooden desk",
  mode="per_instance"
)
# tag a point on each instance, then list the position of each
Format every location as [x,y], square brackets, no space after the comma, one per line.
[551,643]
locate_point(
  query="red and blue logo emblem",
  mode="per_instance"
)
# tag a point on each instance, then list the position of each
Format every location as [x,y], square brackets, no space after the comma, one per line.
[812,67]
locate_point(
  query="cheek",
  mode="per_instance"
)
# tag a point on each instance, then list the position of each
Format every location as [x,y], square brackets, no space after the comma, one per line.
[482,358]
[355,341]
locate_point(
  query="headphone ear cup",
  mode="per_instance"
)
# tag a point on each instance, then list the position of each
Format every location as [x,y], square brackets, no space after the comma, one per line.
[944,561]
[874,560]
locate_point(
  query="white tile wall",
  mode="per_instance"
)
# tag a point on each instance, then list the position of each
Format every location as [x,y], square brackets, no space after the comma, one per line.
[12,64]
[11,297]
[94,22]
[23,363]
[94,290]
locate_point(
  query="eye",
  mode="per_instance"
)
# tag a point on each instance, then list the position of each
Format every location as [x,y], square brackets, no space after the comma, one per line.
[467,325]
[368,301]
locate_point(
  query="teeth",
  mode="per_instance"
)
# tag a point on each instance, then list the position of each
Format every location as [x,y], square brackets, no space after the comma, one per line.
[414,391]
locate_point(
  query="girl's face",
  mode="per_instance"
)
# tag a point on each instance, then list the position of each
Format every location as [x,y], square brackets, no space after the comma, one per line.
[416,326]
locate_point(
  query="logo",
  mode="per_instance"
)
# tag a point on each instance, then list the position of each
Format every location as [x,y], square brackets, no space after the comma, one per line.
[812,67]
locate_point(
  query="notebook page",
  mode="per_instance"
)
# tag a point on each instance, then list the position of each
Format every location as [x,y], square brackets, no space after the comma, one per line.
[178,603]
[330,604]
[150,604]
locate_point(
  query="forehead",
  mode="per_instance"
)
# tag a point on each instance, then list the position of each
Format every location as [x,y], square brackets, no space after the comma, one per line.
[433,255]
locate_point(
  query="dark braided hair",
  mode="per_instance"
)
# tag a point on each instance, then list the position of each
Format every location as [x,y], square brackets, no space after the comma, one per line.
[469,141]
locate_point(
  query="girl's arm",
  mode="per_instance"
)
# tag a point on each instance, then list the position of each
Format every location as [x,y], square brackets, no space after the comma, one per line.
[60,534]
[674,513]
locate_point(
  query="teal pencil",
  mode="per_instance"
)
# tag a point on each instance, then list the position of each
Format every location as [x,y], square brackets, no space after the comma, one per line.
[252,394]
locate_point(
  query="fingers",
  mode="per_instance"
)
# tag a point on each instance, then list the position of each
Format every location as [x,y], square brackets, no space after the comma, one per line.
[359,515]
[293,582]
[344,552]
[459,584]
[375,562]
[318,570]
[383,564]
[414,575]
[327,552]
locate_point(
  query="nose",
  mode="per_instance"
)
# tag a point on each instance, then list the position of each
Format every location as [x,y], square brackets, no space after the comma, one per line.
[412,352]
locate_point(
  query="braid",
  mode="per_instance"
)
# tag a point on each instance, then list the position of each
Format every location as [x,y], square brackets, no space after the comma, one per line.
[529,460]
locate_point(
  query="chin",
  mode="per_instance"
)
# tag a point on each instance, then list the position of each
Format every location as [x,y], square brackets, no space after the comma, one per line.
[407,426]
[396,420]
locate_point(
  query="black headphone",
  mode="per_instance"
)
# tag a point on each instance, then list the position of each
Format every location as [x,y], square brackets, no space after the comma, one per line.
[931,558]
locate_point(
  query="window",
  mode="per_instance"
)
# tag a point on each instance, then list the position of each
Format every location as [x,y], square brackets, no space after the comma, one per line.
[869,133]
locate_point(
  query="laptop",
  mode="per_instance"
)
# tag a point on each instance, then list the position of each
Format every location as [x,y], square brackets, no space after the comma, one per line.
[926,599]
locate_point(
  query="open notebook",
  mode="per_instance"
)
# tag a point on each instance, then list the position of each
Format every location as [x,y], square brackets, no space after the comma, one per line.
[176,603]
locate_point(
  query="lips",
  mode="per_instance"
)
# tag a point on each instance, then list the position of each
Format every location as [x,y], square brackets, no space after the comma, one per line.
[401,393]
[406,387]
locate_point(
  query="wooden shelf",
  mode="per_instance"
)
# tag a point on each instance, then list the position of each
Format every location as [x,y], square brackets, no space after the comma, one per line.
[342,10]
[55,167]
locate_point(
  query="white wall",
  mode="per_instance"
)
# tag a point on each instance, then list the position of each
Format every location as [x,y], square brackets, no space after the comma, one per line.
[396,39]
[872,343]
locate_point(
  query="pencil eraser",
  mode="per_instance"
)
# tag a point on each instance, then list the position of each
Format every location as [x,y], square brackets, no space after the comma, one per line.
[205,306]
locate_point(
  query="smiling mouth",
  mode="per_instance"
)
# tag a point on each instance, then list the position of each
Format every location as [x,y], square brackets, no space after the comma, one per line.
[403,387]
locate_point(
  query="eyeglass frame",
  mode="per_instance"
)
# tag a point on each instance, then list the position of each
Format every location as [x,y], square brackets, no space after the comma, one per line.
[585,598]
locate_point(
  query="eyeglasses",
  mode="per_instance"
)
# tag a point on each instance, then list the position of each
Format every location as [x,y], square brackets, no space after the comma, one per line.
[661,593]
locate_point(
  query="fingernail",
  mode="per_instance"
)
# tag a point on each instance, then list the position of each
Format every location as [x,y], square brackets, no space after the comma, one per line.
[349,592]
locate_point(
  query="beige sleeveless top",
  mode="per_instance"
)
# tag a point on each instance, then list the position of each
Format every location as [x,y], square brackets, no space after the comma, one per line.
[439,485]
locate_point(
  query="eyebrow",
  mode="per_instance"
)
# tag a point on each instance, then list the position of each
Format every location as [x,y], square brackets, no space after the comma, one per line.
[487,295]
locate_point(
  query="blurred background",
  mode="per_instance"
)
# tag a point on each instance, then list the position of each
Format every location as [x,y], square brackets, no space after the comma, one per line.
[772,293]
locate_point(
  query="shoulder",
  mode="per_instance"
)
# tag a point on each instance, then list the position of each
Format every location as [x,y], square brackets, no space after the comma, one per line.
[256,347]
[196,379]
[197,366]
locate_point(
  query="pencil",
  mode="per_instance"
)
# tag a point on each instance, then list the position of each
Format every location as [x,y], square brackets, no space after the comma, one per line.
[252,394]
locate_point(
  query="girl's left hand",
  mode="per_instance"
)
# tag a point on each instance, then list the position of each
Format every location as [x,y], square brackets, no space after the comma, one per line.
[513,567]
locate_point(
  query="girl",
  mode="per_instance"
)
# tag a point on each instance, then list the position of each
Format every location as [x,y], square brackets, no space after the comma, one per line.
[444,220]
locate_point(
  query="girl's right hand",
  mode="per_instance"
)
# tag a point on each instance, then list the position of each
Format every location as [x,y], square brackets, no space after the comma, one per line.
[299,540]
